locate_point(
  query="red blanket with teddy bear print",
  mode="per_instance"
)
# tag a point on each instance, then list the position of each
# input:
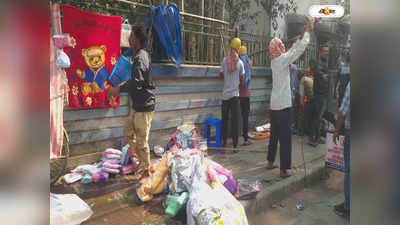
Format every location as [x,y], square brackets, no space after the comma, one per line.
[94,54]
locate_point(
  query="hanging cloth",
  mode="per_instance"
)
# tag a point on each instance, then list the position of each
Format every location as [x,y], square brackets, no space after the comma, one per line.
[165,21]
[247,67]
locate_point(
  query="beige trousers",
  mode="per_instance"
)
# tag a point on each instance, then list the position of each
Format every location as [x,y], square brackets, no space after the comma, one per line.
[136,134]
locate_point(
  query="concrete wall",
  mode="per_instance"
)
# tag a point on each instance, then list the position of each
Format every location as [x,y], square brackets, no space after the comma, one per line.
[190,93]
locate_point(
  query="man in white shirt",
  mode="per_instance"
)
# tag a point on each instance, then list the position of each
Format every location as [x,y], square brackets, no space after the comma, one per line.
[281,98]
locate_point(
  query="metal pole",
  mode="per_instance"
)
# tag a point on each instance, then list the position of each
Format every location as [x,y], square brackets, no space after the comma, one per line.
[203,48]
[182,11]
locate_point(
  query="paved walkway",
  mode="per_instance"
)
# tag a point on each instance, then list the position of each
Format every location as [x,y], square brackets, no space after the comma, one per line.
[116,202]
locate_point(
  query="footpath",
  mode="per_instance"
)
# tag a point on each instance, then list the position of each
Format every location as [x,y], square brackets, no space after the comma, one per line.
[116,203]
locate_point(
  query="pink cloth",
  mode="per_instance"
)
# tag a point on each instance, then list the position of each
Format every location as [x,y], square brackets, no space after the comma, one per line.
[58,89]
[244,92]
[274,49]
[232,59]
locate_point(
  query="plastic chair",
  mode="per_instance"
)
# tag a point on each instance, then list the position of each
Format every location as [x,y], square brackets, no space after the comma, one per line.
[213,141]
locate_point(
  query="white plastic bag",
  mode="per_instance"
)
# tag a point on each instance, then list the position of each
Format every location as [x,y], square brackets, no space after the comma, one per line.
[68,209]
[72,177]
[263,128]
[62,60]
[84,169]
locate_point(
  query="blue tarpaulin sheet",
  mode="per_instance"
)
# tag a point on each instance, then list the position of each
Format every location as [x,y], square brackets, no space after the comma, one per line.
[166,23]
[247,72]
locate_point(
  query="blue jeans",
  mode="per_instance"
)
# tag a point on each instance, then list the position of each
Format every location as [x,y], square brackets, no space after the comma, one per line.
[347,172]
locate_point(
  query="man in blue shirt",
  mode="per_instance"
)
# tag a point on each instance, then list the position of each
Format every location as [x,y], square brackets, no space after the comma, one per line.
[343,209]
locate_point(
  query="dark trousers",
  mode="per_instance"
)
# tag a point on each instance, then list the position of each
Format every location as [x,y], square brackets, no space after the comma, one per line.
[346,152]
[308,113]
[320,103]
[245,110]
[280,131]
[231,108]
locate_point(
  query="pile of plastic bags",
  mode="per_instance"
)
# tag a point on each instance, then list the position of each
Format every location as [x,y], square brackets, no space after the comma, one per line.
[188,177]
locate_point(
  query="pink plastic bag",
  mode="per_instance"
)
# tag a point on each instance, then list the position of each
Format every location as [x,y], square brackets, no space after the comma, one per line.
[219,169]
[112,151]
[131,168]
[112,156]
[62,40]
[111,166]
[112,161]
[108,170]
[100,177]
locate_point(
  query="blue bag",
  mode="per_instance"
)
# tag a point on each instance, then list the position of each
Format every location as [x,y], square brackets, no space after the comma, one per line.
[122,69]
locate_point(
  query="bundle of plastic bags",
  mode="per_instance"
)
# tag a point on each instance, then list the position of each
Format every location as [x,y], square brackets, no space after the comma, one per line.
[212,204]
[217,173]
[129,161]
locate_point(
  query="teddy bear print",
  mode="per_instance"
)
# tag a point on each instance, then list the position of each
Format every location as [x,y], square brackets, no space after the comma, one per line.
[95,76]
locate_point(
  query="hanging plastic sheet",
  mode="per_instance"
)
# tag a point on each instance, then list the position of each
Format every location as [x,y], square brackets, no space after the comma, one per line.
[166,23]
[247,69]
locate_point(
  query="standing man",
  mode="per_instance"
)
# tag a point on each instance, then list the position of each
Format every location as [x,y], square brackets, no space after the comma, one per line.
[343,78]
[244,93]
[141,89]
[232,71]
[321,91]
[306,94]
[343,209]
[281,98]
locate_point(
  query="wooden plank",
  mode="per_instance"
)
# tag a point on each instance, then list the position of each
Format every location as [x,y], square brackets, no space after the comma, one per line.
[201,88]
[188,81]
[94,124]
[170,70]
[203,95]
[180,114]
[190,104]
[196,81]
[95,135]
[85,114]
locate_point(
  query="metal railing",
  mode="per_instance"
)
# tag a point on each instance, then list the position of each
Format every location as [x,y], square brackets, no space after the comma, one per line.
[204,40]
[206,43]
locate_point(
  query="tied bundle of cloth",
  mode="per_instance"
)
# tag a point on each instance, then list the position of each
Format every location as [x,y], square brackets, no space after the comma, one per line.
[111,161]
[186,137]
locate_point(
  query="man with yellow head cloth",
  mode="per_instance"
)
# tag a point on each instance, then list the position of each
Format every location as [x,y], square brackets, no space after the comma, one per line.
[232,71]
[244,93]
